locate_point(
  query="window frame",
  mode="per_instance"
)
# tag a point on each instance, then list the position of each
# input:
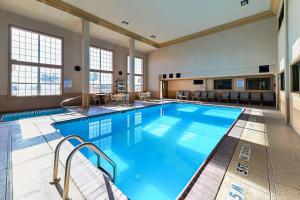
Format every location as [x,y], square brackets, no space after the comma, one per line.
[139,75]
[270,84]
[103,71]
[38,65]
[223,80]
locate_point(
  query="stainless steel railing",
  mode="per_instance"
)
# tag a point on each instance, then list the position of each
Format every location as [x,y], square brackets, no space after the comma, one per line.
[70,99]
[83,144]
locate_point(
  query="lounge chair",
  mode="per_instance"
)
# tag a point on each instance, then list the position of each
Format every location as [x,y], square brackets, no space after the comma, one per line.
[234,96]
[203,95]
[256,97]
[186,95]
[211,95]
[147,96]
[244,96]
[268,97]
[179,95]
[225,96]
[196,95]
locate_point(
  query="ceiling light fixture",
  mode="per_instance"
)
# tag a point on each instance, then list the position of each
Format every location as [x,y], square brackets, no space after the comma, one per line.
[244,2]
[125,22]
[152,36]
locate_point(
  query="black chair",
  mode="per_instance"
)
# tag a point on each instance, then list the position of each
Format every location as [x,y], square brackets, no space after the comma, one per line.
[211,95]
[203,95]
[255,97]
[196,95]
[225,96]
[244,96]
[234,96]
[269,97]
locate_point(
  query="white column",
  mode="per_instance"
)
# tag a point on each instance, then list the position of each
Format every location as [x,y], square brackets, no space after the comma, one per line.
[85,39]
[131,65]
[287,63]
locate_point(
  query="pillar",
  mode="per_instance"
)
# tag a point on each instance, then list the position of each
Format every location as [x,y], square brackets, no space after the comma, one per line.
[85,39]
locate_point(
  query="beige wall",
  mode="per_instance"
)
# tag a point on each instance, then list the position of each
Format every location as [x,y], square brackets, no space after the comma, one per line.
[72,57]
[233,52]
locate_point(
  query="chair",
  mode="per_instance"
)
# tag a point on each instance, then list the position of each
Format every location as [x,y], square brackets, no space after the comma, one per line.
[211,95]
[179,95]
[186,95]
[142,96]
[147,95]
[196,95]
[256,97]
[225,96]
[203,95]
[95,99]
[234,96]
[244,96]
[268,97]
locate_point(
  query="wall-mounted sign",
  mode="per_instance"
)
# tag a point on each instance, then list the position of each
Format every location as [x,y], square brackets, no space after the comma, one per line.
[67,83]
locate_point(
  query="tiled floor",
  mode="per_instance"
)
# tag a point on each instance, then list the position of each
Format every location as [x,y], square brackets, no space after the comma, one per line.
[273,168]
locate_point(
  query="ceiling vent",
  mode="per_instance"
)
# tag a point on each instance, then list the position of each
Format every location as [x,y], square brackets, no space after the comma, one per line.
[244,2]
[152,36]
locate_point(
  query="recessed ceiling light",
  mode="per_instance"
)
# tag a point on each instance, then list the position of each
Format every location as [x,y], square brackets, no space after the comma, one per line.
[244,2]
[152,36]
[125,22]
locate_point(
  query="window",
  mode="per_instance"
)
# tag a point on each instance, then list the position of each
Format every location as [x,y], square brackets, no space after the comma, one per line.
[296,77]
[101,70]
[225,84]
[258,84]
[36,63]
[282,81]
[138,73]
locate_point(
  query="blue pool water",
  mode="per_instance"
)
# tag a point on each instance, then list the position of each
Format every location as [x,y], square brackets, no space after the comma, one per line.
[157,149]
[31,114]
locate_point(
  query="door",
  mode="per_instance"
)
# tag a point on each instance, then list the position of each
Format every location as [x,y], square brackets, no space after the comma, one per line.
[163,89]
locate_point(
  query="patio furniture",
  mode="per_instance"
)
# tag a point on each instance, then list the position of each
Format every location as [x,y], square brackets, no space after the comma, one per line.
[148,95]
[186,95]
[179,95]
[203,95]
[255,97]
[95,98]
[234,96]
[211,95]
[225,96]
[196,95]
[269,97]
[244,96]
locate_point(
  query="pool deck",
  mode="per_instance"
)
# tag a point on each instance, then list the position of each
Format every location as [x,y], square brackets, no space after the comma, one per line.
[272,170]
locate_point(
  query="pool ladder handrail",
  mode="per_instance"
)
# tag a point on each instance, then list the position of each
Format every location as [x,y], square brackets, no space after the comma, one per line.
[69,99]
[82,144]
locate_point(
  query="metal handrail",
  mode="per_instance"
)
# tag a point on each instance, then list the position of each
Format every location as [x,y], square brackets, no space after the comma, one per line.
[67,100]
[97,151]
[56,179]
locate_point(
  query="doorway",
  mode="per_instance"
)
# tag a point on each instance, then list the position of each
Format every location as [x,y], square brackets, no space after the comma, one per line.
[163,89]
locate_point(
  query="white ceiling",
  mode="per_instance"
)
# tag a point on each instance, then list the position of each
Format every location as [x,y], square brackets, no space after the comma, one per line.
[170,19]
[39,11]
[167,19]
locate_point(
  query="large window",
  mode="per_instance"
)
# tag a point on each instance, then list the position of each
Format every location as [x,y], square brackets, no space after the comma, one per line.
[223,84]
[101,70]
[258,84]
[296,77]
[138,73]
[36,63]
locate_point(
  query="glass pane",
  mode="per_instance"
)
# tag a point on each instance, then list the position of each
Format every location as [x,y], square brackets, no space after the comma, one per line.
[106,83]
[50,79]
[94,58]
[50,50]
